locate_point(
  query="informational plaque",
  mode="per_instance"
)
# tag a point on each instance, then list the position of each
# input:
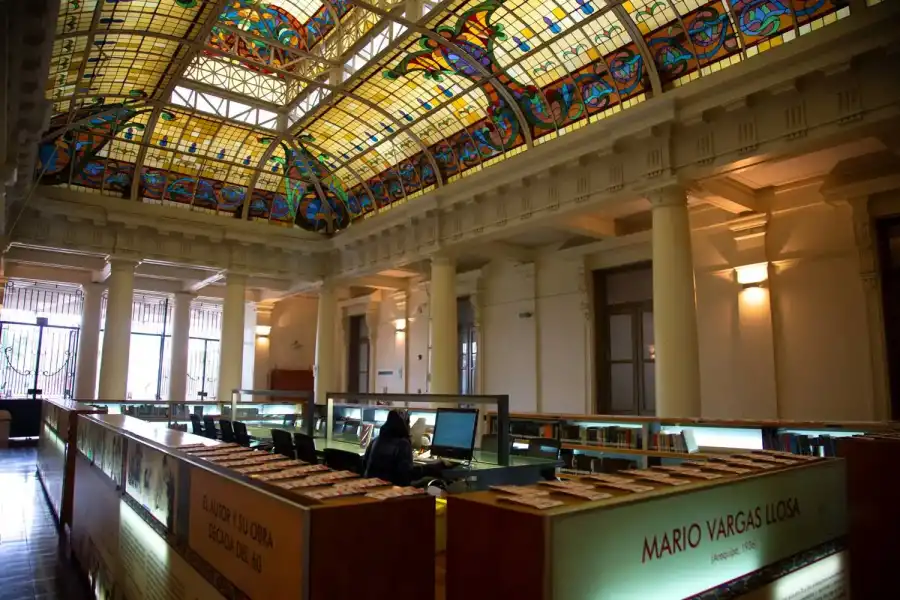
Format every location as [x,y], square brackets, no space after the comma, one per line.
[254,539]
[644,549]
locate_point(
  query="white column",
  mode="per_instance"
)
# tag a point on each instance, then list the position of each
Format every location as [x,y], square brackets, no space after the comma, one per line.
[89,343]
[674,308]
[181,333]
[324,369]
[117,330]
[444,342]
[231,354]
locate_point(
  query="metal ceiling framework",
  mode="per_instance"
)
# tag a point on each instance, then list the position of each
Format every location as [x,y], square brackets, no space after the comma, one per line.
[461,88]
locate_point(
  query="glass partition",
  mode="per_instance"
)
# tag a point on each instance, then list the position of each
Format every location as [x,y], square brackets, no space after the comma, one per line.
[353,420]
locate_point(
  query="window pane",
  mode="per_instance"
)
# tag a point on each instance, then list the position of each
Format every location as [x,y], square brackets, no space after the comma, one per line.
[649,349]
[363,354]
[649,388]
[622,387]
[620,338]
[363,383]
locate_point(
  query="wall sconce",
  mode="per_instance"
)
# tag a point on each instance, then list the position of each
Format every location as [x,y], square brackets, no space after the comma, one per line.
[263,330]
[752,276]
[399,326]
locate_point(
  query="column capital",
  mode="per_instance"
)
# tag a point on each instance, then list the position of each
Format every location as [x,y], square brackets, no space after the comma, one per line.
[92,288]
[671,195]
[182,298]
[442,260]
[117,262]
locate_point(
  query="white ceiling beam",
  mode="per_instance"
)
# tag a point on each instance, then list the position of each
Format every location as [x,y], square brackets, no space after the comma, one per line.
[864,175]
[164,271]
[592,226]
[47,273]
[47,257]
[195,286]
[729,195]
[381,282]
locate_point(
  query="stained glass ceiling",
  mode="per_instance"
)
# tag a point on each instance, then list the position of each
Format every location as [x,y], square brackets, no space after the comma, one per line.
[314,114]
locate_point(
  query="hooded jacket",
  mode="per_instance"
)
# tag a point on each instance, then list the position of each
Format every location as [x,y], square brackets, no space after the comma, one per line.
[389,456]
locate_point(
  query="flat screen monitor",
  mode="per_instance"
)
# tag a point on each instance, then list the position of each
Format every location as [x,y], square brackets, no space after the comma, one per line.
[454,433]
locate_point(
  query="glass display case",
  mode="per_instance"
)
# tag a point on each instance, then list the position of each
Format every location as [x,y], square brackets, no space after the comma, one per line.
[610,442]
[354,419]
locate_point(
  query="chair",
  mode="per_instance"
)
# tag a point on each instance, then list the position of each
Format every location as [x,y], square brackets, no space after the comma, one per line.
[584,462]
[227,430]
[283,443]
[341,460]
[490,442]
[209,428]
[240,434]
[196,425]
[337,427]
[545,448]
[306,448]
[289,421]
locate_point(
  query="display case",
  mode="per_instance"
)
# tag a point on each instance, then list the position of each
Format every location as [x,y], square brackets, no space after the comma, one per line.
[611,442]
[55,458]
[662,535]
[257,408]
[154,518]
[369,411]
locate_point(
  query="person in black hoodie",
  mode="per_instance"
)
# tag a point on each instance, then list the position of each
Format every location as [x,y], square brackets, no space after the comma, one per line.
[390,455]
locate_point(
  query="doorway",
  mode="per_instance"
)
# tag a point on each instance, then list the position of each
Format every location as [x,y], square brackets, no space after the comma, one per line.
[39,340]
[625,351]
[888,235]
[358,369]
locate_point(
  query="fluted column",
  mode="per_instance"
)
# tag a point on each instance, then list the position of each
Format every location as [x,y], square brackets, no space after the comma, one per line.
[117,330]
[181,333]
[444,340]
[324,369]
[231,354]
[674,307]
[89,343]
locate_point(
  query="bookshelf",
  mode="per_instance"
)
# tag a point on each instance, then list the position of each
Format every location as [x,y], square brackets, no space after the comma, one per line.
[651,440]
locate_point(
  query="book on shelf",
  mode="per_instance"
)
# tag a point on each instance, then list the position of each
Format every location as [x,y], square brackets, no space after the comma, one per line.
[614,436]
[571,433]
[682,442]
[799,443]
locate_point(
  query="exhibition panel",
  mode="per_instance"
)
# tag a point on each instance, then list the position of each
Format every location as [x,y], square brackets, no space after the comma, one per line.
[55,458]
[721,528]
[159,510]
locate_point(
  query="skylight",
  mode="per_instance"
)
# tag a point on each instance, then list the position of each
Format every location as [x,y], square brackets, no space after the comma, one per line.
[223,107]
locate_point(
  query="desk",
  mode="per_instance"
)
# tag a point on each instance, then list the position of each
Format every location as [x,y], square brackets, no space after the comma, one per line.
[484,468]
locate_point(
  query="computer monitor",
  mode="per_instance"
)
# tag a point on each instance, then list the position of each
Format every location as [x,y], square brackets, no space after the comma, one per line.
[454,433]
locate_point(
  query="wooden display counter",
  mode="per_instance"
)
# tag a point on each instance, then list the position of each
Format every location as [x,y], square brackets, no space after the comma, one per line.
[162,513]
[728,535]
[873,495]
[55,463]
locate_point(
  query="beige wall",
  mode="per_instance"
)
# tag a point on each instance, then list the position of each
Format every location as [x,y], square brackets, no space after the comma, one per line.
[795,349]
[292,340]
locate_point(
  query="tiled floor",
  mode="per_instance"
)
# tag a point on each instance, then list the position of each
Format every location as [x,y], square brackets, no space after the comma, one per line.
[32,563]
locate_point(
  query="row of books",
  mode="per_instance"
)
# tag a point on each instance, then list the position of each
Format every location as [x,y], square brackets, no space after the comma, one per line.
[798,443]
[611,436]
[682,441]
